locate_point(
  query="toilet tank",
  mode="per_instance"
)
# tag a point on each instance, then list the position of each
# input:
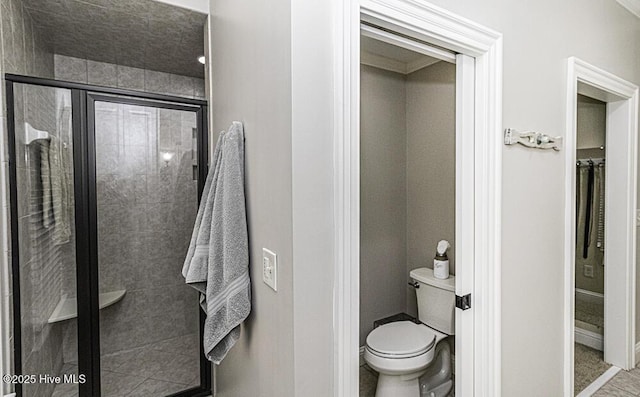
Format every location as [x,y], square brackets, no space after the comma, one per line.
[436,300]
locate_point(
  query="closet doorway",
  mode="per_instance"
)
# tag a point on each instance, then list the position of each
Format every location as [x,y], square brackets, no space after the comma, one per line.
[600,227]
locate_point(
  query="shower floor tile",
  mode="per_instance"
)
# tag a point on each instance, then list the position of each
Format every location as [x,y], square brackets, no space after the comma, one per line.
[155,370]
[154,388]
[65,390]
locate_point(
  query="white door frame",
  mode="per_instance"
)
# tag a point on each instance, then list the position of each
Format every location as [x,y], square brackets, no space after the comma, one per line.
[620,208]
[481,178]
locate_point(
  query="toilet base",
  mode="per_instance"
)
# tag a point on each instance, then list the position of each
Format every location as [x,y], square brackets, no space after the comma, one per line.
[399,385]
[435,382]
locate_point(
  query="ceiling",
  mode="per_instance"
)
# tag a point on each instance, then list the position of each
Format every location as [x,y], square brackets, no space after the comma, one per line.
[391,57]
[138,33]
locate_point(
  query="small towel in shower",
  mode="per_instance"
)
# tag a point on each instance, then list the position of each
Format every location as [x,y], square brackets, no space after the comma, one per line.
[217,262]
[45,178]
[54,163]
[60,195]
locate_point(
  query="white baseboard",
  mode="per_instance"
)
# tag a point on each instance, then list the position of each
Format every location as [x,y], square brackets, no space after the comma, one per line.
[591,339]
[590,296]
[10,395]
[598,383]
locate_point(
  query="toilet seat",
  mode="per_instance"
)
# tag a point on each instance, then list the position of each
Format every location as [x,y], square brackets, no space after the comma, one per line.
[401,340]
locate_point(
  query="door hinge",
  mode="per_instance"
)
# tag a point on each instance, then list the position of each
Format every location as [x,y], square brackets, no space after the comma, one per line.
[463,302]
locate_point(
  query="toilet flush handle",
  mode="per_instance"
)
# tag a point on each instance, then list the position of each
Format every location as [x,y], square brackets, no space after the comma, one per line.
[414,284]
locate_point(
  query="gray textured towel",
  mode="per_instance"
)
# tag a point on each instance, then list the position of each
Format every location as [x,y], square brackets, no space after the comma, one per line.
[45,177]
[60,185]
[217,262]
[54,164]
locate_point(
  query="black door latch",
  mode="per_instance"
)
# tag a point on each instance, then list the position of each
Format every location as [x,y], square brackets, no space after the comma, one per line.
[463,302]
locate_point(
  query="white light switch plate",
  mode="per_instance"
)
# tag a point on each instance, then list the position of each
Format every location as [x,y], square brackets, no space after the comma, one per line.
[270,269]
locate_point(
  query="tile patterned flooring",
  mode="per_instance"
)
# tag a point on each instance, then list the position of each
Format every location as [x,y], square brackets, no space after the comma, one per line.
[150,371]
[624,384]
[368,381]
[589,366]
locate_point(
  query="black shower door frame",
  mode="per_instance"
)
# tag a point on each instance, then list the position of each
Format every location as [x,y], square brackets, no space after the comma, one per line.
[83,99]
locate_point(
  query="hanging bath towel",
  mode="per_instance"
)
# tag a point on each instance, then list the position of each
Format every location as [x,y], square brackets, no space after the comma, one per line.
[217,262]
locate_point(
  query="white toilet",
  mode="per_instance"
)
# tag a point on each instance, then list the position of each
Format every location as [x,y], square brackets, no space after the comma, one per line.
[414,359]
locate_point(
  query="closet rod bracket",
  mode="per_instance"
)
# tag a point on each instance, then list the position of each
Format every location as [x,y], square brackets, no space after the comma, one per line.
[536,140]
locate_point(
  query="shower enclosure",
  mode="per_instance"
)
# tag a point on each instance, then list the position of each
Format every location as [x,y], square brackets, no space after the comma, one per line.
[104,189]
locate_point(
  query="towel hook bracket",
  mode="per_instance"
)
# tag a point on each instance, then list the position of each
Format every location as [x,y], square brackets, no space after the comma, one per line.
[531,139]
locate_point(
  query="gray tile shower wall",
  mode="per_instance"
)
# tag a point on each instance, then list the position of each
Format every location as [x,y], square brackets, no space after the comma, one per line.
[146,209]
[146,214]
[44,279]
[142,233]
[23,51]
[110,75]
[144,225]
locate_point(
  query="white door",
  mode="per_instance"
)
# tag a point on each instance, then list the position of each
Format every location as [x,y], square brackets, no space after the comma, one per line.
[465,225]
[619,255]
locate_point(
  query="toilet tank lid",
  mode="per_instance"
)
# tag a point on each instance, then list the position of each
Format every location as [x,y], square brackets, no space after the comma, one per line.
[425,275]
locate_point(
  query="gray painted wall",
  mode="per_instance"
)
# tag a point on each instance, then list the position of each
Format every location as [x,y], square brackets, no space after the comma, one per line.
[383,196]
[313,194]
[592,119]
[534,98]
[431,147]
[538,39]
[407,186]
[251,83]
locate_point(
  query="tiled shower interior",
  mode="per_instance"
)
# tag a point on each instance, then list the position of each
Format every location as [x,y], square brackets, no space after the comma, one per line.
[43,256]
[147,201]
[146,208]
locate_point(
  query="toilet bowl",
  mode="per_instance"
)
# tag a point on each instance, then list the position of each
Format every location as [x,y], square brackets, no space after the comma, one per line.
[402,352]
[414,360]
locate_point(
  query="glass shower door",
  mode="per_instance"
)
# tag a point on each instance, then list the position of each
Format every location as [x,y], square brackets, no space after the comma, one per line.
[43,231]
[104,192]
[147,198]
